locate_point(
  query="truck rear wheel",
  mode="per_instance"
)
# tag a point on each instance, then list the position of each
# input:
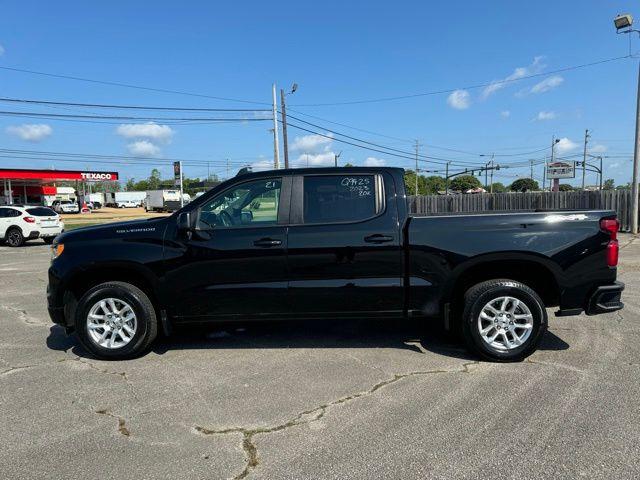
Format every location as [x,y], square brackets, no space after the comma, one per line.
[116,320]
[503,320]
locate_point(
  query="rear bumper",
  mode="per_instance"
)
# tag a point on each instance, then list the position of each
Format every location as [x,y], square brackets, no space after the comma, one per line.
[606,298]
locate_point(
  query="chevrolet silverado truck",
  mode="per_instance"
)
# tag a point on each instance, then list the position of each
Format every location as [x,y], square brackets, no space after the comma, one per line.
[332,243]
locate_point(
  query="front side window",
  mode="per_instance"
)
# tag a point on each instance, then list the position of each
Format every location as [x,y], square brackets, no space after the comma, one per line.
[248,204]
[339,198]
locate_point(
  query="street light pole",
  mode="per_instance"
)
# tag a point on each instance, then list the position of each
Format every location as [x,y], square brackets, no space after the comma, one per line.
[276,140]
[636,152]
[623,24]
[284,129]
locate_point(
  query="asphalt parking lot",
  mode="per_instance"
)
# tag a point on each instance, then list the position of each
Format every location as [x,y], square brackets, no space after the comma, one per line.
[338,400]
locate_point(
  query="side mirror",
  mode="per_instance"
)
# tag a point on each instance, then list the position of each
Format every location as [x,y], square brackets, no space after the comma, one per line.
[186,221]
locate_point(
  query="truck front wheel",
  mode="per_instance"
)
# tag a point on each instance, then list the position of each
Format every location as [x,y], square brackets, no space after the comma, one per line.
[116,320]
[503,320]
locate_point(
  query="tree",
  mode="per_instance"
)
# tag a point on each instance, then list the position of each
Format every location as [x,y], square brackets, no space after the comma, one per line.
[130,185]
[464,183]
[565,187]
[348,165]
[155,179]
[497,188]
[524,185]
[433,184]
[608,184]
[624,187]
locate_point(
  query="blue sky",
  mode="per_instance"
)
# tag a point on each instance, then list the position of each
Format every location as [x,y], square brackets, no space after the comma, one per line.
[336,52]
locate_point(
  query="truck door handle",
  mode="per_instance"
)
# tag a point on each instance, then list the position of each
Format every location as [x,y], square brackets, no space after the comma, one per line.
[267,242]
[378,238]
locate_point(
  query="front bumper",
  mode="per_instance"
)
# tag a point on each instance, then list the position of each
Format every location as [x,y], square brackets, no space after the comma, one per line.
[606,298]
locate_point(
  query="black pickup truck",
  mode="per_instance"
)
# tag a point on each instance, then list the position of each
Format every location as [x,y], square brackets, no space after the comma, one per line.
[332,243]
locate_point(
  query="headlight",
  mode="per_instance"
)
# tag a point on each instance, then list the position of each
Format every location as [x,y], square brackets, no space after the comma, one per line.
[56,250]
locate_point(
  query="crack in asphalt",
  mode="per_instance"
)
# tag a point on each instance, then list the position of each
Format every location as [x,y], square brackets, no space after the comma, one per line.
[122,424]
[122,375]
[22,314]
[13,369]
[252,459]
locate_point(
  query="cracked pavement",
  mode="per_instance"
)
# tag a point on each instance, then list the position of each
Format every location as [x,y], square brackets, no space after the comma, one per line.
[357,399]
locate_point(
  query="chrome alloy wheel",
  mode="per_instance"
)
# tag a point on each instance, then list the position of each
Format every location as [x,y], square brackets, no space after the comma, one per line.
[14,238]
[111,323]
[505,323]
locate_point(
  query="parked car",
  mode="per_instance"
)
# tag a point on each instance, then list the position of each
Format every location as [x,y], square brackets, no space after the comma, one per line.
[21,223]
[65,206]
[332,243]
[127,204]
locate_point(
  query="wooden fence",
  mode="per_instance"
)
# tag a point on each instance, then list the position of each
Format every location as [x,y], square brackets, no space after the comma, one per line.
[618,200]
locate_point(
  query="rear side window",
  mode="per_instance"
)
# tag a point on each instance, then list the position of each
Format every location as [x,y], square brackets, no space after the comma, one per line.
[41,212]
[9,212]
[339,198]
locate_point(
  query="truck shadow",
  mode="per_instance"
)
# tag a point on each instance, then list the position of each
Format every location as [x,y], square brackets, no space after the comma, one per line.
[410,336]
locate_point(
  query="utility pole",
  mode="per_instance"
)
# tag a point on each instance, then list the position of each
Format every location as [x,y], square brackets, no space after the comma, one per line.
[553,157]
[636,154]
[601,172]
[284,129]
[491,187]
[584,156]
[446,188]
[417,147]
[531,161]
[544,174]
[336,156]
[276,140]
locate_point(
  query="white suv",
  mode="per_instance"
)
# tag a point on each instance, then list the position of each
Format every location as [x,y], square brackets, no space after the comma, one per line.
[65,206]
[20,223]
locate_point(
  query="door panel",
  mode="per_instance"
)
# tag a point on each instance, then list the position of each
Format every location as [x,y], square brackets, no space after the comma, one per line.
[347,268]
[234,265]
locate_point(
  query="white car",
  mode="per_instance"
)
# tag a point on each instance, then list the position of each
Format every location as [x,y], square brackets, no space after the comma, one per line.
[127,204]
[21,223]
[65,206]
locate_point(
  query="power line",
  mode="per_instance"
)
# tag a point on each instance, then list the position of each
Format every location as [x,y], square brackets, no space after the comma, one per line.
[122,117]
[126,85]
[125,107]
[469,87]
[404,152]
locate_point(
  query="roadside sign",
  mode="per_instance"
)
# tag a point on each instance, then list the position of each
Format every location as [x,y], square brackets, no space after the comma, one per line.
[561,170]
[177,175]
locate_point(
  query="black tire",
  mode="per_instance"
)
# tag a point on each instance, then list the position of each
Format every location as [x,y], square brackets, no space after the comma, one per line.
[48,240]
[14,237]
[475,300]
[147,323]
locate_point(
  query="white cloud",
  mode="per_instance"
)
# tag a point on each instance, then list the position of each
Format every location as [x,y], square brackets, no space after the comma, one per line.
[460,100]
[311,143]
[262,165]
[1,50]
[150,130]
[324,159]
[565,145]
[545,116]
[505,113]
[598,148]
[547,84]
[614,165]
[143,148]
[536,67]
[374,162]
[30,132]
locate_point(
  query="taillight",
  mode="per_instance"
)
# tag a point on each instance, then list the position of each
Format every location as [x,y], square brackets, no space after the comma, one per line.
[29,219]
[611,226]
